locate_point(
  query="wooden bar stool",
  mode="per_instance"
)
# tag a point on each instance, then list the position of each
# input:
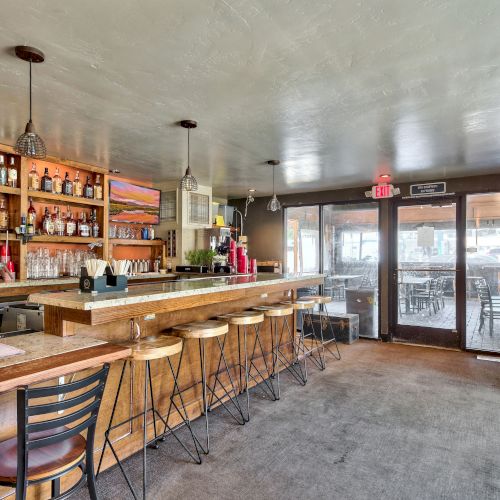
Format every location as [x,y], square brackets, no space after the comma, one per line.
[325,322]
[282,337]
[242,320]
[203,331]
[45,448]
[146,350]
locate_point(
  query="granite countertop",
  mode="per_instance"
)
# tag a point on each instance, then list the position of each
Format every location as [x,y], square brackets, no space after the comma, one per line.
[40,345]
[73,299]
[74,281]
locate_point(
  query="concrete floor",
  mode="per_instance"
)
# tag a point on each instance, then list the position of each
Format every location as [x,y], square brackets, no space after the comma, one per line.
[388,421]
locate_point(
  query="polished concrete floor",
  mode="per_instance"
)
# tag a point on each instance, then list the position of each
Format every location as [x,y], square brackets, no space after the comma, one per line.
[387,421]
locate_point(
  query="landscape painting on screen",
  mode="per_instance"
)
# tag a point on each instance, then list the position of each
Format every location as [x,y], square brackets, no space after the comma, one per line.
[135,204]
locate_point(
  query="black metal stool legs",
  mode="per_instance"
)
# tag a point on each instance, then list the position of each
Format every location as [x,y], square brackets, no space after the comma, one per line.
[317,349]
[333,339]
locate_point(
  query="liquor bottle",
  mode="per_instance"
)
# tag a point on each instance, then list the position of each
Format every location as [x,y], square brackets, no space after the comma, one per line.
[3,171]
[59,223]
[98,188]
[4,216]
[46,182]
[48,223]
[88,190]
[33,179]
[70,224]
[94,224]
[22,225]
[12,173]
[77,185]
[31,222]
[30,229]
[57,182]
[67,186]
[151,232]
[83,227]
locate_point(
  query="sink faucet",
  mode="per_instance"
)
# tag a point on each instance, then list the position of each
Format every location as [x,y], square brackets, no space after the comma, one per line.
[236,212]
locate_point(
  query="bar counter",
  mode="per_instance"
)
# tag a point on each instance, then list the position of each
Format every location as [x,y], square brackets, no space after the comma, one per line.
[155,309]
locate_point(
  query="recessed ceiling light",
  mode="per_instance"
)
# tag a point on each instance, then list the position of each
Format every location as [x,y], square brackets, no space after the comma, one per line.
[114,171]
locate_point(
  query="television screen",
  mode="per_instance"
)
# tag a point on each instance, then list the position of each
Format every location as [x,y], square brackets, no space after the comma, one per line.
[133,204]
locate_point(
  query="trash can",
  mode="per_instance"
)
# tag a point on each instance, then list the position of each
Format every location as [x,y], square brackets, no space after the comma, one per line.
[361,301]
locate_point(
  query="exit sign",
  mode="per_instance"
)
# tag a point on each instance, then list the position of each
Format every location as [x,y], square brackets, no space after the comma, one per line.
[382,191]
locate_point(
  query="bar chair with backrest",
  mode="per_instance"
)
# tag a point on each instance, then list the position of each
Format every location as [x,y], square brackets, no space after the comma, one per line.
[490,305]
[49,442]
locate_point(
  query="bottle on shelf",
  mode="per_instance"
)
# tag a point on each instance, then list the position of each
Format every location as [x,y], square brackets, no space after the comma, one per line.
[77,185]
[83,227]
[67,186]
[151,232]
[98,195]
[31,220]
[70,224]
[33,179]
[3,172]
[12,173]
[59,223]
[48,223]
[4,216]
[57,182]
[88,190]
[94,224]
[46,183]
[22,225]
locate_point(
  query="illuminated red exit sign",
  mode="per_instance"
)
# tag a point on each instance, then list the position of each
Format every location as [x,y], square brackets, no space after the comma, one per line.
[382,191]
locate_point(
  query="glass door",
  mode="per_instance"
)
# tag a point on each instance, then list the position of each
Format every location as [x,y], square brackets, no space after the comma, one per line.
[425,274]
[482,288]
[350,262]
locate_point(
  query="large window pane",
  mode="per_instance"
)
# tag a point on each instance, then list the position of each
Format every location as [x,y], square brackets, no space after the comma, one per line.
[483,270]
[350,261]
[302,239]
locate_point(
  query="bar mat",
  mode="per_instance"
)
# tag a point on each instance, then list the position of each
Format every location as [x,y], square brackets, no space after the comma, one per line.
[7,350]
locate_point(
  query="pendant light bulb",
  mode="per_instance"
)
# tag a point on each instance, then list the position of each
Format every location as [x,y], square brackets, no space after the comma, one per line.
[30,144]
[188,182]
[273,204]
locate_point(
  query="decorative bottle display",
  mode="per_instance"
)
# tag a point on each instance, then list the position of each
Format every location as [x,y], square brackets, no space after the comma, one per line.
[22,225]
[57,182]
[3,172]
[59,223]
[12,173]
[77,185]
[83,227]
[88,190]
[98,188]
[94,224]
[4,216]
[46,183]
[33,179]
[67,186]
[31,221]
[70,224]
[48,223]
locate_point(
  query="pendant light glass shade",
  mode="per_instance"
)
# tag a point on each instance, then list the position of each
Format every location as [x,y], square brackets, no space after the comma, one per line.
[30,144]
[188,182]
[273,204]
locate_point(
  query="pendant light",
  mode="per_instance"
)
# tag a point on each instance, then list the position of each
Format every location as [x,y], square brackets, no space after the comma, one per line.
[273,205]
[188,182]
[30,143]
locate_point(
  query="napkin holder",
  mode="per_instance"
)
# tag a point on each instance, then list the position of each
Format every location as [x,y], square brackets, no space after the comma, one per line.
[108,282]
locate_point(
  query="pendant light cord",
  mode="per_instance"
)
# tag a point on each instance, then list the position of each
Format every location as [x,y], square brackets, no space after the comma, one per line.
[188,149]
[30,89]
[273,182]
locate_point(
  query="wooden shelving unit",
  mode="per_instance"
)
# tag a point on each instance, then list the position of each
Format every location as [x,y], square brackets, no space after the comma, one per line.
[10,190]
[64,199]
[141,243]
[65,239]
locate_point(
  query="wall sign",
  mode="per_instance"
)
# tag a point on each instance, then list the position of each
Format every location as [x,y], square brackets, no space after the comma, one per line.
[381,191]
[430,189]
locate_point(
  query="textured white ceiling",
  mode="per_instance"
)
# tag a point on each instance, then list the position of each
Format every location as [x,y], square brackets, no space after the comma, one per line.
[340,91]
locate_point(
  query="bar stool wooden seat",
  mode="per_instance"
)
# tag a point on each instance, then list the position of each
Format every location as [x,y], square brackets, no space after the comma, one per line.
[245,320]
[204,331]
[281,338]
[325,322]
[147,349]
[304,307]
[48,445]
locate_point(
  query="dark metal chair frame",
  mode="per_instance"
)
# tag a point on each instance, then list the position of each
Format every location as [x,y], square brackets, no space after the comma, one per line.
[490,305]
[26,430]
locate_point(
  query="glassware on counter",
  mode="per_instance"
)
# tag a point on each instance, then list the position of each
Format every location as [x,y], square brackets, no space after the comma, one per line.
[42,263]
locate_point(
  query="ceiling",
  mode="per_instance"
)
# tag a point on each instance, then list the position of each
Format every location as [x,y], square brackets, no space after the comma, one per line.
[340,91]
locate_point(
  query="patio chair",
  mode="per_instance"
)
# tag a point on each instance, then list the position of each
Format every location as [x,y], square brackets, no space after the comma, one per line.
[427,298]
[490,305]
